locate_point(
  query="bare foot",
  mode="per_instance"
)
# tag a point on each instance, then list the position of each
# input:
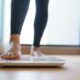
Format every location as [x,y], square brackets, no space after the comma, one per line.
[36,51]
[13,53]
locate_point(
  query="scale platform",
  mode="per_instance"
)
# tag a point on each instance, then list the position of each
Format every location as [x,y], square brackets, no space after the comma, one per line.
[27,60]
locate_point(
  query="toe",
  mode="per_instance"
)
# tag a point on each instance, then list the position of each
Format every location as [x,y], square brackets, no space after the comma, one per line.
[4,56]
[11,56]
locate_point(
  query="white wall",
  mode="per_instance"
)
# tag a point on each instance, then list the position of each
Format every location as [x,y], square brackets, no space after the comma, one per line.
[1,10]
[63,23]
[63,26]
[28,27]
[6,18]
[0,20]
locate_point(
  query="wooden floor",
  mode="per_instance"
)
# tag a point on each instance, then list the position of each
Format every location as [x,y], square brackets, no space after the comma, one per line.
[70,71]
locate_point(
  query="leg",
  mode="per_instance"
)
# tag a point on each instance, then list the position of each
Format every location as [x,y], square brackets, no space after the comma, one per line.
[40,21]
[19,10]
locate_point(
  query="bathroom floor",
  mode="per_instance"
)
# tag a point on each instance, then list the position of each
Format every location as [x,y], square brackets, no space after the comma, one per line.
[70,71]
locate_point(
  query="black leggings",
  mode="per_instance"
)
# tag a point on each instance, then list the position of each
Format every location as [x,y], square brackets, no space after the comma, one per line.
[19,9]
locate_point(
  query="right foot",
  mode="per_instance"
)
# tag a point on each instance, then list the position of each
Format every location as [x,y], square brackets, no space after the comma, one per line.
[15,51]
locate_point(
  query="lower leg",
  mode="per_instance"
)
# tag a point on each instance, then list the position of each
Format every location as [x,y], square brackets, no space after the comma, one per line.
[40,23]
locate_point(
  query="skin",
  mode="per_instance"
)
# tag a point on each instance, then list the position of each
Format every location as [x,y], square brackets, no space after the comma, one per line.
[15,51]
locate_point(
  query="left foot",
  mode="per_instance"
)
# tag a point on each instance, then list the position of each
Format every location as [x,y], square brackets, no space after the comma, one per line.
[35,51]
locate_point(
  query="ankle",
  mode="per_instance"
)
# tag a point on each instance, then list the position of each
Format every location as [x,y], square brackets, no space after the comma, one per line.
[35,48]
[15,38]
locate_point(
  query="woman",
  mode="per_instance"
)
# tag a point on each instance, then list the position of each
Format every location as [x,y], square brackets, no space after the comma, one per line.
[19,9]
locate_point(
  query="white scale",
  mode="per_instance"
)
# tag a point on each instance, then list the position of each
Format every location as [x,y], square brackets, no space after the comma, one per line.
[27,60]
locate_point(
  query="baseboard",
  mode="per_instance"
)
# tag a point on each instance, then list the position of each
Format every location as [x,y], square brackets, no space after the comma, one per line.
[54,50]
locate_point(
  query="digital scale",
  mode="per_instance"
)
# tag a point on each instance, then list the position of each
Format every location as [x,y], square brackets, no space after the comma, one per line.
[27,60]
